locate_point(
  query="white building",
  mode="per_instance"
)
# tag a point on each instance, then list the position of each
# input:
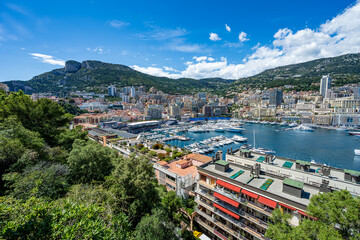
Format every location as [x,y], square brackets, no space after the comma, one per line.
[325,85]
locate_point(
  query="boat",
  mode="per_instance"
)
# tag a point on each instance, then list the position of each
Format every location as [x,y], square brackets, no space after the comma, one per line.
[262,150]
[302,128]
[283,123]
[354,133]
[357,152]
[235,129]
[239,138]
[293,125]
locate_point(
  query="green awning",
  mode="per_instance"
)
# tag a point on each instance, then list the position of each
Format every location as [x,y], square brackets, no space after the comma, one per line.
[293,183]
[260,159]
[352,172]
[245,150]
[222,162]
[303,162]
[237,174]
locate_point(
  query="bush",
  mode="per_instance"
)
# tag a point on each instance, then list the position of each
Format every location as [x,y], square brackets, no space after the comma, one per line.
[140,146]
[161,156]
[157,146]
[152,153]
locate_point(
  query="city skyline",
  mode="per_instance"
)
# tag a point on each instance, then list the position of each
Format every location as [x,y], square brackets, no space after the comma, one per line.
[182,41]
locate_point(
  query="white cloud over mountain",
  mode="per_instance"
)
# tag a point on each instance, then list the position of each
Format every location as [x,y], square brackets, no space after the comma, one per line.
[335,37]
[48,59]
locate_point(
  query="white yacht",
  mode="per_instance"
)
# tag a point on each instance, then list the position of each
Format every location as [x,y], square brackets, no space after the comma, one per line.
[235,129]
[237,138]
[357,152]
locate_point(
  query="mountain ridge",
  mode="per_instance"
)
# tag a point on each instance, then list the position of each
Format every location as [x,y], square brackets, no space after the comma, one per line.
[95,76]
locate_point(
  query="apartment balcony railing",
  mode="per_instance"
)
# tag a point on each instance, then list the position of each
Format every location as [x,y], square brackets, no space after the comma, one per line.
[241,224]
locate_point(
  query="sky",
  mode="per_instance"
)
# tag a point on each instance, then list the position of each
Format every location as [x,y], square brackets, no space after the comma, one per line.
[198,39]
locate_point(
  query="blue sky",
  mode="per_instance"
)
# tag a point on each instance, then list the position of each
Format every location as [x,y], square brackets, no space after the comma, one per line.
[229,39]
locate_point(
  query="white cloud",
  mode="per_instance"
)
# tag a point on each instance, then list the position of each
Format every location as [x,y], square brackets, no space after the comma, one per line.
[227,28]
[48,59]
[242,37]
[214,37]
[333,38]
[180,45]
[100,50]
[199,59]
[158,33]
[118,24]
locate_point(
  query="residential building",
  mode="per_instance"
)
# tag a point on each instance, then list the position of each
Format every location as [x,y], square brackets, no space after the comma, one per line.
[325,85]
[112,91]
[236,197]
[154,111]
[275,97]
[180,175]
[174,111]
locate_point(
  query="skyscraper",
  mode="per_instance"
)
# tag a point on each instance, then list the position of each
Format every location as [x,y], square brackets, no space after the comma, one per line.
[112,91]
[325,84]
[275,97]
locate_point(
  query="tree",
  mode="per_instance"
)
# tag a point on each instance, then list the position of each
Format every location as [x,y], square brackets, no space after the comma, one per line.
[67,138]
[133,182]
[171,204]
[43,116]
[156,226]
[338,209]
[336,214]
[90,161]
[42,180]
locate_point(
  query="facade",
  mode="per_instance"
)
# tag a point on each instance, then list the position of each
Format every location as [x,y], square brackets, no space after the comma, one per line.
[325,85]
[154,111]
[275,97]
[236,197]
[174,111]
[180,175]
[112,91]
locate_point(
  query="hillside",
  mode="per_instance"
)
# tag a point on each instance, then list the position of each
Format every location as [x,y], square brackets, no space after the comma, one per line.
[344,69]
[97,76]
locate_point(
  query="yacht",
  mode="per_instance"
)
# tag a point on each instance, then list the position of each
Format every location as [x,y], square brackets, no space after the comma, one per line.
[302,128]
[357,152]
[239,138]
[235,129]
[354,133]
[292,125]
[283,123]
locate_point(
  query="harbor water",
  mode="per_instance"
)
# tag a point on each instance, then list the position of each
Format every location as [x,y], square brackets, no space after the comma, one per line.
[330,147]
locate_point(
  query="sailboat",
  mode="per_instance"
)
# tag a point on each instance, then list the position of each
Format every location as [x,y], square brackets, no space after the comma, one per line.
[261,150]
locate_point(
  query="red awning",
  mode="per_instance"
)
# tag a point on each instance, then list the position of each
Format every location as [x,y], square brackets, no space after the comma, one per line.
[302,213]
[226,199]
[250,194]
[286,206]
[267,202]
[228,185]
[226,211]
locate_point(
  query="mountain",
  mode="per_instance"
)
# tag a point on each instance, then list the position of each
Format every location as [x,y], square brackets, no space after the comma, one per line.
[97,76]
[343,69]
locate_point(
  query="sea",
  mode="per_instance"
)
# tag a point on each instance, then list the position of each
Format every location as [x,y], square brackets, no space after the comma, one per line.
[326,146]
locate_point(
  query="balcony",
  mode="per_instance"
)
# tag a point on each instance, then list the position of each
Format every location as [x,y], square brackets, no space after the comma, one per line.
[243,214]
[204,194]
[204,224]
[204,214]
[247,228]
[229,195]
[206,184]
[204,204]
[260,208]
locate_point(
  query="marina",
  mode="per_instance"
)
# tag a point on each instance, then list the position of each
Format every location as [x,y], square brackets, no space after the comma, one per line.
[326,146]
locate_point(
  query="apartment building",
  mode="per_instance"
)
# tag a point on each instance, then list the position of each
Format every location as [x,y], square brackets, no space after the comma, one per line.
[236,197]
[180,175]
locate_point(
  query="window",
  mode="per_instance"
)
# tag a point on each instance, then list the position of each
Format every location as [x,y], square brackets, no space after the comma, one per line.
[171,178]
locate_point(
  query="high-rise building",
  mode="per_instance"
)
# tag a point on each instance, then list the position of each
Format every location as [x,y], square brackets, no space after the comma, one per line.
[237,197]
[325,84]
[174,111]
[132,92]
[356,91]
[154,111]
[275,97]
[112,91]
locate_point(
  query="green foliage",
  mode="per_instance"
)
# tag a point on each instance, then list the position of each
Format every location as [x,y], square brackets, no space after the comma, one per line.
[67,138]
[42,116]
[157,146]
[161,156]
[133,182]
[63,219]
[171,204]
[152,153]
[89,161]
[338,209]
[42,180]
[156,226]
[70,108]
[337,217]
